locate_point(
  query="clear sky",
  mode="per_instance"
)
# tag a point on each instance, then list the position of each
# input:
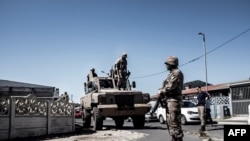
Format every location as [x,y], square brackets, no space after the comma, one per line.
[56,42]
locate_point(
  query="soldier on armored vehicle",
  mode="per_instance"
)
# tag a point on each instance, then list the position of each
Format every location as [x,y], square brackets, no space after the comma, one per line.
[103,99]
[121,71]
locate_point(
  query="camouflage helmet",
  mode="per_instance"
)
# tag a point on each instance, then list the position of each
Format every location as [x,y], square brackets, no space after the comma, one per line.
[124,54]
[172,60]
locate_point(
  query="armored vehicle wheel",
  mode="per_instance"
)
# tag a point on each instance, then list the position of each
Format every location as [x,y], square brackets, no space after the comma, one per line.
[97,120]
[119,121]
[138,121]
[86,118]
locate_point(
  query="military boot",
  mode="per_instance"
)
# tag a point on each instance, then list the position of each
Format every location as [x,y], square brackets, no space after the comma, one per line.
[202,128]
[179,139]
[173,138]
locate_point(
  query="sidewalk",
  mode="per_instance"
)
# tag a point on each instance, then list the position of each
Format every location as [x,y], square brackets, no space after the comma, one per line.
[216,133]
[239,120]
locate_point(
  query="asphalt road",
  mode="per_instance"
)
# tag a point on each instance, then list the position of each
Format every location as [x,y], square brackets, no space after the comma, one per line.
[157,131]
[151,131]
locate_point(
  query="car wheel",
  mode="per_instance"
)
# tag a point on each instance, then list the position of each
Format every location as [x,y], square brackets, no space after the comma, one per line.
[129,119]
[183,120]
[161,119]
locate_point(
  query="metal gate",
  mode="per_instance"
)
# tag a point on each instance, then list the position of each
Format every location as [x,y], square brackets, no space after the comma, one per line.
[240,100]
[220,106]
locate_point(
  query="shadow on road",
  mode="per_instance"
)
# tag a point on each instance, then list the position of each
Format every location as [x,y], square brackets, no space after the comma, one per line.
[78,131]
[112,127]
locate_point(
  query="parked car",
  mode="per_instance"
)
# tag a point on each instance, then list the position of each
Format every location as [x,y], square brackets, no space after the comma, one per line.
[149,117]
[189,113]
[78,112]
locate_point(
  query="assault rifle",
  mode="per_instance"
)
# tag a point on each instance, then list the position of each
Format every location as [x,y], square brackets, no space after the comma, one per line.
[161,99]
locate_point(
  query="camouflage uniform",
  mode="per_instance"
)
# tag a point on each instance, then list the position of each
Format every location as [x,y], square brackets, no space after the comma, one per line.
[91,74]
[121,68]
[172,88]
[65,97]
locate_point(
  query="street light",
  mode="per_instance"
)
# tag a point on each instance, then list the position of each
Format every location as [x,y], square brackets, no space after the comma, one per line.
[204,44]
[105,73]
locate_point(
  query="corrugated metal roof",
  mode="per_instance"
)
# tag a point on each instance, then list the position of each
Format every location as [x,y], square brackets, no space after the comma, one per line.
[210,88]
[243,82]
[7,83]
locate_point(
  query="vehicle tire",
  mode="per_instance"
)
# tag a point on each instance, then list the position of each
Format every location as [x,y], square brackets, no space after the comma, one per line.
[119,121]
[86,118]
[97,120]
[161,119]
[183,120]
[138,121]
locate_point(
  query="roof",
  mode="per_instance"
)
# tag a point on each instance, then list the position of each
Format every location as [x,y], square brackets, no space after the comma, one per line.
[7,83]
[217,87]
[210,88]
[195,83]
[237,83]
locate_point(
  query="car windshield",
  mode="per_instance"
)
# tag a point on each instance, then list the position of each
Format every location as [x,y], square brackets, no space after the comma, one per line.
[188,104]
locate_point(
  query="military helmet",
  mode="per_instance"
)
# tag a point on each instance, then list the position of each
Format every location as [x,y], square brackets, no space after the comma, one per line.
[172,60]
[124,55]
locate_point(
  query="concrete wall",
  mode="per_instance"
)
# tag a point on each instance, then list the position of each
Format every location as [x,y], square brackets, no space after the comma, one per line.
[27,117]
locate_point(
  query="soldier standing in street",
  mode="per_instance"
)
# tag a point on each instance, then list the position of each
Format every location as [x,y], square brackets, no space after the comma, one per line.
[121,69]
[172,89]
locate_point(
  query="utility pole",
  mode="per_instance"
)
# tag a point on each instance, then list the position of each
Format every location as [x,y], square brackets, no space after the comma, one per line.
[204,45]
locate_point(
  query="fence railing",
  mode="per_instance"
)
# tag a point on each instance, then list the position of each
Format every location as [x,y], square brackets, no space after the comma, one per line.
[220,107]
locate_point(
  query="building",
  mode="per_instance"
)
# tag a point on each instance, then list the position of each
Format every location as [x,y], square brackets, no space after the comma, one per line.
[227,99]
[13,88]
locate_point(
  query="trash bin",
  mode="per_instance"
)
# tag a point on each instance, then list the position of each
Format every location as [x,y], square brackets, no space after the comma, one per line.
[226,111]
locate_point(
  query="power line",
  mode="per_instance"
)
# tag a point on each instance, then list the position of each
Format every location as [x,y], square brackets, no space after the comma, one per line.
[197,58]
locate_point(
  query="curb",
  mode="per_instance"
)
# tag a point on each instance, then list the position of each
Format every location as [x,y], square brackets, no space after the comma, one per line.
[206,136]
[213,138]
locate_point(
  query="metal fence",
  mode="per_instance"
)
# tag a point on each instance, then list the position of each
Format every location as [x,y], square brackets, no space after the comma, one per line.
[220,107]
[240,100]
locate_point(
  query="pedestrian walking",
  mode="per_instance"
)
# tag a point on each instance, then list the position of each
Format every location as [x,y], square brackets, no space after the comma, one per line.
[201,98]
[172,90]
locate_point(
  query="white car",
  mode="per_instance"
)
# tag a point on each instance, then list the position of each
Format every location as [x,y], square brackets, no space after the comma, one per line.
[189,113]
[151,117]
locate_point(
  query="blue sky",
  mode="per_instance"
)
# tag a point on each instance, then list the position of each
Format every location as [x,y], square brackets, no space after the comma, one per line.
[57,42]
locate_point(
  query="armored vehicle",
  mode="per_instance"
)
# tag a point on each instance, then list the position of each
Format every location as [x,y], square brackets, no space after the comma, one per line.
[103,100]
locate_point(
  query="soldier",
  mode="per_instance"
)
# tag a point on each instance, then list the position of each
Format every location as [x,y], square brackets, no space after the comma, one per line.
[65,96]
[121,69]
[172,89]
[91,74]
